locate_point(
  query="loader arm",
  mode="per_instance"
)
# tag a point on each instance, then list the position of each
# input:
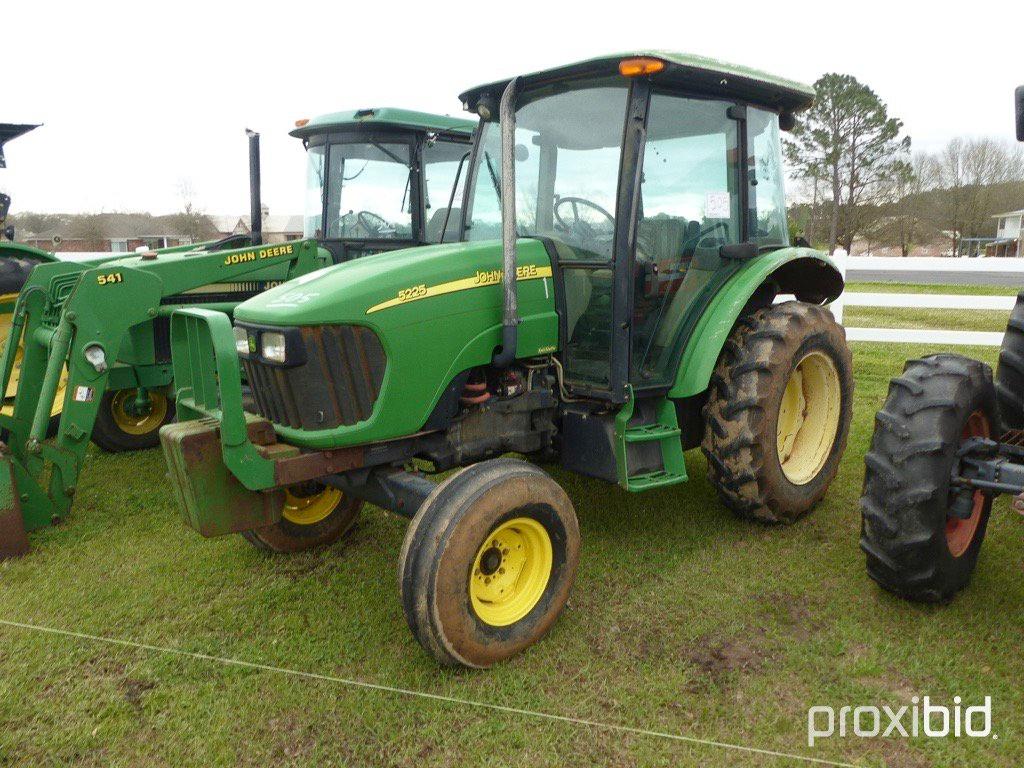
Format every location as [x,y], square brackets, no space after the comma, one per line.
[75,319]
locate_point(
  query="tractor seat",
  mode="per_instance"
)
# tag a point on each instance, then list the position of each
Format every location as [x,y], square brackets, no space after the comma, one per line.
[436,224]
[664,237]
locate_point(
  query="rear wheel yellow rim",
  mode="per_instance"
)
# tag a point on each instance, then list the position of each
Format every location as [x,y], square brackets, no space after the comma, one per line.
[808,417]
[132,421]
[511,570]
[311,509]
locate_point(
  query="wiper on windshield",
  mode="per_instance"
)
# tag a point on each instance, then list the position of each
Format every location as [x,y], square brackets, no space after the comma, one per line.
[494,176]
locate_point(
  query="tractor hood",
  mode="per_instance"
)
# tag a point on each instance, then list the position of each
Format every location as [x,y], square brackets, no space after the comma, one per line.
[436,312]
[399,287]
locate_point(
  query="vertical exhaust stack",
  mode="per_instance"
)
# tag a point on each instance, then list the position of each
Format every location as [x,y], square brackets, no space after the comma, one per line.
[1018,108]
[255,203]
[510,323]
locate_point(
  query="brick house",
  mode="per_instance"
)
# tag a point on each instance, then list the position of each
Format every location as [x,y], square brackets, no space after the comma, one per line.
[122,232]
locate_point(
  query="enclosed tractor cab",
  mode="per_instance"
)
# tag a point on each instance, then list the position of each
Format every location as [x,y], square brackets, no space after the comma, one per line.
[948,440]
[91,358]
[383,179]
[616,301]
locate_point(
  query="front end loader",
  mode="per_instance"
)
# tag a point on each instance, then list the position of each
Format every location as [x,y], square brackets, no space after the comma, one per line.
[617,300]
[116,310]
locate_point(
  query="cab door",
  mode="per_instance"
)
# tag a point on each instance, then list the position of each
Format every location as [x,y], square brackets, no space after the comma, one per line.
[688,206]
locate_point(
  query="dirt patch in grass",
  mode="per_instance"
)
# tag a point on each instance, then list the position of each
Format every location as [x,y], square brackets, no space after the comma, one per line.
[134,690]
[793,613]
[717,662]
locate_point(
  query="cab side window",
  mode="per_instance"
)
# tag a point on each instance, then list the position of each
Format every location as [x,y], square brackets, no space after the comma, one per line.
[445,168]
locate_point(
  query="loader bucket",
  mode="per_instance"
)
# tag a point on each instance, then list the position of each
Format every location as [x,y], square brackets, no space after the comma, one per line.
[13,538]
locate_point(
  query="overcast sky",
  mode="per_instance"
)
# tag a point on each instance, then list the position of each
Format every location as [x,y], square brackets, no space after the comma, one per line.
[138,98]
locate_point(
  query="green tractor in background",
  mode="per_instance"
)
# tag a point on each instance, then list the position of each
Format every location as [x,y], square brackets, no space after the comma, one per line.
[948,440]
[85,360]
[618,299]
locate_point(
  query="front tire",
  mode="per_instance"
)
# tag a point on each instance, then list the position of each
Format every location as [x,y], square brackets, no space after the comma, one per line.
[488,563]
[313,516]
[778,411]
[122,426]
[915,546]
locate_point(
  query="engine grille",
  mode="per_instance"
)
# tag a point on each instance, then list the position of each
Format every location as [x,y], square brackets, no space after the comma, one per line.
[336,386]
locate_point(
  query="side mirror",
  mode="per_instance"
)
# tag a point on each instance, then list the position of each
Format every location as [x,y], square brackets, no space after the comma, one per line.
[1019,103]
[9,232]
[738,251]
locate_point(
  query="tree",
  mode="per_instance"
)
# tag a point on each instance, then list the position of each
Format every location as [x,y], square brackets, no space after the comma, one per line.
[903,219]
[978,177]
[847,144]
[191,221]
[91,229]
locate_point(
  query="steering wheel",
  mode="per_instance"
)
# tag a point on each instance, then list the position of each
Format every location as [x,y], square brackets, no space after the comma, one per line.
[371,222]
[577,222]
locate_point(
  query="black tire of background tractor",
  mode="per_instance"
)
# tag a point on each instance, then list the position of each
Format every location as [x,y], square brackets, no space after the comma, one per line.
[905,499]
[285,537]
[744,398]
[1010,371]
[13,274]
[444,543]
[111,438]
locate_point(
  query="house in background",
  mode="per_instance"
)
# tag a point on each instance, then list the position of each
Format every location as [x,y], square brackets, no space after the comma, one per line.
[276,229]
[121,232]
[1009,235]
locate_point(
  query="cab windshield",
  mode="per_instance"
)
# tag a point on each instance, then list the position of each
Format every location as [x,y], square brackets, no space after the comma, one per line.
[567,165]
[368,191]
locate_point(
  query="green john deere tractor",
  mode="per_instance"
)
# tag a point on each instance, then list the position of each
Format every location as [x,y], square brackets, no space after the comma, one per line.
[618,300]
[89,352]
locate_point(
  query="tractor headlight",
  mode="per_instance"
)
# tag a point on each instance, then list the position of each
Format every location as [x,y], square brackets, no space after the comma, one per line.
[272,346]
[241,341]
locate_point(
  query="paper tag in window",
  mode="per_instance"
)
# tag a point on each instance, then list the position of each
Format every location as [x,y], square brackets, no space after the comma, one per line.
[717,205]
[83,394]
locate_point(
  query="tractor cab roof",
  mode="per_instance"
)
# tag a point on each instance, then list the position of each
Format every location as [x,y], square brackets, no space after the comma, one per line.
[680,70]
[384,117]
[9,132]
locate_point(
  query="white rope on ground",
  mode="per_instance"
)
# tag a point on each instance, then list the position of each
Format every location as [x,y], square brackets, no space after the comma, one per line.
[421,694]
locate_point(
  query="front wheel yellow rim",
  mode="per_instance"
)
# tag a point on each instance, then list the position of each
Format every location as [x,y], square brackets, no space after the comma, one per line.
[133,420]
[808,417]
[309,509]
[511,570]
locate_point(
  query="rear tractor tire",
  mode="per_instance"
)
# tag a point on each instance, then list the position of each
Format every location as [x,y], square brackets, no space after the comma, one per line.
[122,424]
[488,563]
[1010,371]
[778,411]
[313,516]
[916,546]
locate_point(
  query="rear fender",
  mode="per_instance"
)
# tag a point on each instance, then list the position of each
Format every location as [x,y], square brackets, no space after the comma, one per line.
[808,274]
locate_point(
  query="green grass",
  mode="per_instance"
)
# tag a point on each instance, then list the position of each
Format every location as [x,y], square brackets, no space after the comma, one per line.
[957,289]
[916,317]
[683,619]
